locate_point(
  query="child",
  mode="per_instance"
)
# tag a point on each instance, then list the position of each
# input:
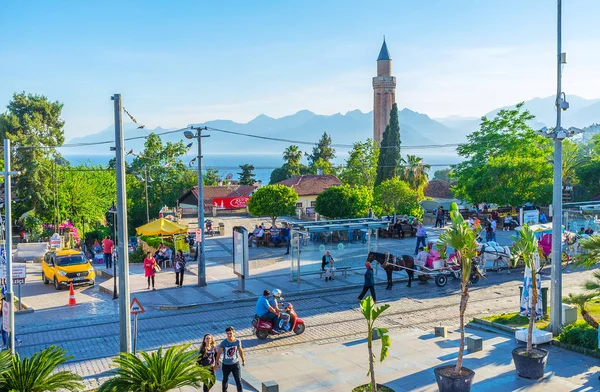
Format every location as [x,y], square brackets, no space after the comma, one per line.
[421,258]
[330,270]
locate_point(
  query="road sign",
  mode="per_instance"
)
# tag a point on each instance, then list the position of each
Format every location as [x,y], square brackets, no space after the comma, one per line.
[136,307]
[5,321]
[18,281]
[55,241]
[19,270]
[198,235]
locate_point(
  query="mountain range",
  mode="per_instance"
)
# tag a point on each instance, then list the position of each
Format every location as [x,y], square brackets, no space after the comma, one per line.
[415,128]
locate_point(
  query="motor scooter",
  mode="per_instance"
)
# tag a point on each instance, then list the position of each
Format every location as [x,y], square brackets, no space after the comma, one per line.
[262,328]
[209,229]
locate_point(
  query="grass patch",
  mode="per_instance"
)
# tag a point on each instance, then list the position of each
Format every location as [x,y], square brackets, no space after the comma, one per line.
[580,334]
[515,320]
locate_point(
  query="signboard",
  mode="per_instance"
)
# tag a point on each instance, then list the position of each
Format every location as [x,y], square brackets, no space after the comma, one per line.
[136,307]
[19,272]
[5,321]
[231,203]
[198,235]
[240,251]
[55,241]
[531,217]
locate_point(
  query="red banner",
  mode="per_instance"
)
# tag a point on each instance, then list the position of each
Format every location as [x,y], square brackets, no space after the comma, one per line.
[231,203]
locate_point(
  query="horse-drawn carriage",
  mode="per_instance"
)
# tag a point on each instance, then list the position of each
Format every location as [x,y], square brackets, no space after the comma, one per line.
[439,273]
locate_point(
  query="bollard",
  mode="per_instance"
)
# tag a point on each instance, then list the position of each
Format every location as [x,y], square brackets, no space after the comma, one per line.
[474,343]
[270,386]
[440,331]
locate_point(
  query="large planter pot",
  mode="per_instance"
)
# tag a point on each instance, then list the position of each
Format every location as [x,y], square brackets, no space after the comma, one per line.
[448,382]
[530,365]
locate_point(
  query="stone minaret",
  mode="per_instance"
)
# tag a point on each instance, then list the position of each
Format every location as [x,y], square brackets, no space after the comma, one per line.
[384,89]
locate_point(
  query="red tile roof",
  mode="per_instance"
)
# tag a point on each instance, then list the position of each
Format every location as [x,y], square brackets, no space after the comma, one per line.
[309,185]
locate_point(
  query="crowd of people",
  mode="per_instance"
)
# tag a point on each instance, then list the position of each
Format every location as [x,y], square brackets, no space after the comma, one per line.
[277,235]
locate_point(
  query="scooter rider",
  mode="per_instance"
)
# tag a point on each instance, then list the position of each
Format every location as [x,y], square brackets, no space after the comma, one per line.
[284,318]
[265,311]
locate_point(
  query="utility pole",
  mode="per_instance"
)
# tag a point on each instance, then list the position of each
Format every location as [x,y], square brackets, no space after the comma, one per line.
[201,259]
[8,246]
[556,276]
[123,255]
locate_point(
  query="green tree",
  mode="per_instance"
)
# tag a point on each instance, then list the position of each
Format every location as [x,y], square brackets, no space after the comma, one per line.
[344,202]
[370,313]
[211,176]
[167,177]
[415,173]
[505,144]
[443,174]
[361,165]
[526,248]
[31,122]
[463,239]
[322,155]
[273,201]
[292,156]
[389,154]
[74,185]
[396,197]
[247,174]
[38,373]
[160,371]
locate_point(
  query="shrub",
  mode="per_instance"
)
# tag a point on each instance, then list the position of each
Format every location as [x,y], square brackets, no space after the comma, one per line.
[137,256]
[580,334]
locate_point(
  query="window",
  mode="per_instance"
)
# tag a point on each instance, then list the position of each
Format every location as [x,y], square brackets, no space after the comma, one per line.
[299,204]
[313,203]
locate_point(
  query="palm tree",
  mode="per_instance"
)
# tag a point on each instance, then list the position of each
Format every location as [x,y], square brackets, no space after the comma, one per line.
[292,155]
[463,239]
[580,300]
[415,172]
[157,372]
[370,312]
[38,373]
[592,256]
[526,248]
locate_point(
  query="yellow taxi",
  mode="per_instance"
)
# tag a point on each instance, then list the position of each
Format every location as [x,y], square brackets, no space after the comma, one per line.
[64,266]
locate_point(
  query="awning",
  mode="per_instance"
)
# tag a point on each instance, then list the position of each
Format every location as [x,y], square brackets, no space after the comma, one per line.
[161,227]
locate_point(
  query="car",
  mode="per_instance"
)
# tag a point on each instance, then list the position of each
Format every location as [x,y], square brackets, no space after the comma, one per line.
[65,266]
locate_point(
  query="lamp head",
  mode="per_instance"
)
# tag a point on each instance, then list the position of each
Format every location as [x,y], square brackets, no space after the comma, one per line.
[188,134]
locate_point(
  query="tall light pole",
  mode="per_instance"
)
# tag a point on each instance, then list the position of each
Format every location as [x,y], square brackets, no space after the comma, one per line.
[558,134]
[201,260]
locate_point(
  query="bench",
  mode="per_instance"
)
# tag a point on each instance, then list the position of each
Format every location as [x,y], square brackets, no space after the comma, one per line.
[408,230]
[343,270]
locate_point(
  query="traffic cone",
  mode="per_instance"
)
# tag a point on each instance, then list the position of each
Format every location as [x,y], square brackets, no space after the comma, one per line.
[72,301]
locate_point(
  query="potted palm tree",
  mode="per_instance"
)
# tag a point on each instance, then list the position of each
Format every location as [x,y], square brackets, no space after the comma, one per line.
[159,371]
[38,372]
[530,362]
[463,239]
[370,312]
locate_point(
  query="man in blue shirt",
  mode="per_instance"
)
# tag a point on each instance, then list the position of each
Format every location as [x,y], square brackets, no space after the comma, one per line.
[265,311]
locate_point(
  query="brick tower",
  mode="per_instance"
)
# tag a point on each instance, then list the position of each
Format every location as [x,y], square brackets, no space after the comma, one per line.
[384,93]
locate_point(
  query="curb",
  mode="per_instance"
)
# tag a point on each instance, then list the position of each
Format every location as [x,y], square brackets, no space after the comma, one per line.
[254,297]
[494,326]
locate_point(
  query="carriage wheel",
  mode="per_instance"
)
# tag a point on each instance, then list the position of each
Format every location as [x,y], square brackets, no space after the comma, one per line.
[441,280]
[474,278]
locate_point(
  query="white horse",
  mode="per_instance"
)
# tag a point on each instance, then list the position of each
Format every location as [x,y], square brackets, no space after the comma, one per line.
[497,254]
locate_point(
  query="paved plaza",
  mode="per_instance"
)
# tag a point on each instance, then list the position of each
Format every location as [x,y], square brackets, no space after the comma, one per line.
[331,350]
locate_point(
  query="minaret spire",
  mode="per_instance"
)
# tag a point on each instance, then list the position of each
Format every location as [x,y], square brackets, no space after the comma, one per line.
[384,92]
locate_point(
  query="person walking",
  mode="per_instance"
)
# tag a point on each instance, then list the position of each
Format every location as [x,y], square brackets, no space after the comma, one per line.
[421,234]
[207,356]
[369,283]
[179,267]
[107,246]
[231,348]
[149,269]
[439,217]
[286,235]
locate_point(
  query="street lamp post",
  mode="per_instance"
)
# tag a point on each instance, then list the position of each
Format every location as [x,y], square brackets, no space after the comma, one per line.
[201,260]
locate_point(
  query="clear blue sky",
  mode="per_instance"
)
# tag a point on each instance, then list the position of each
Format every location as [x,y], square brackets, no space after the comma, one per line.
[179,62]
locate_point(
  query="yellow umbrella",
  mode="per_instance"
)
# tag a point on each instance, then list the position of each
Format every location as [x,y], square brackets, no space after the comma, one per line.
[161,227]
